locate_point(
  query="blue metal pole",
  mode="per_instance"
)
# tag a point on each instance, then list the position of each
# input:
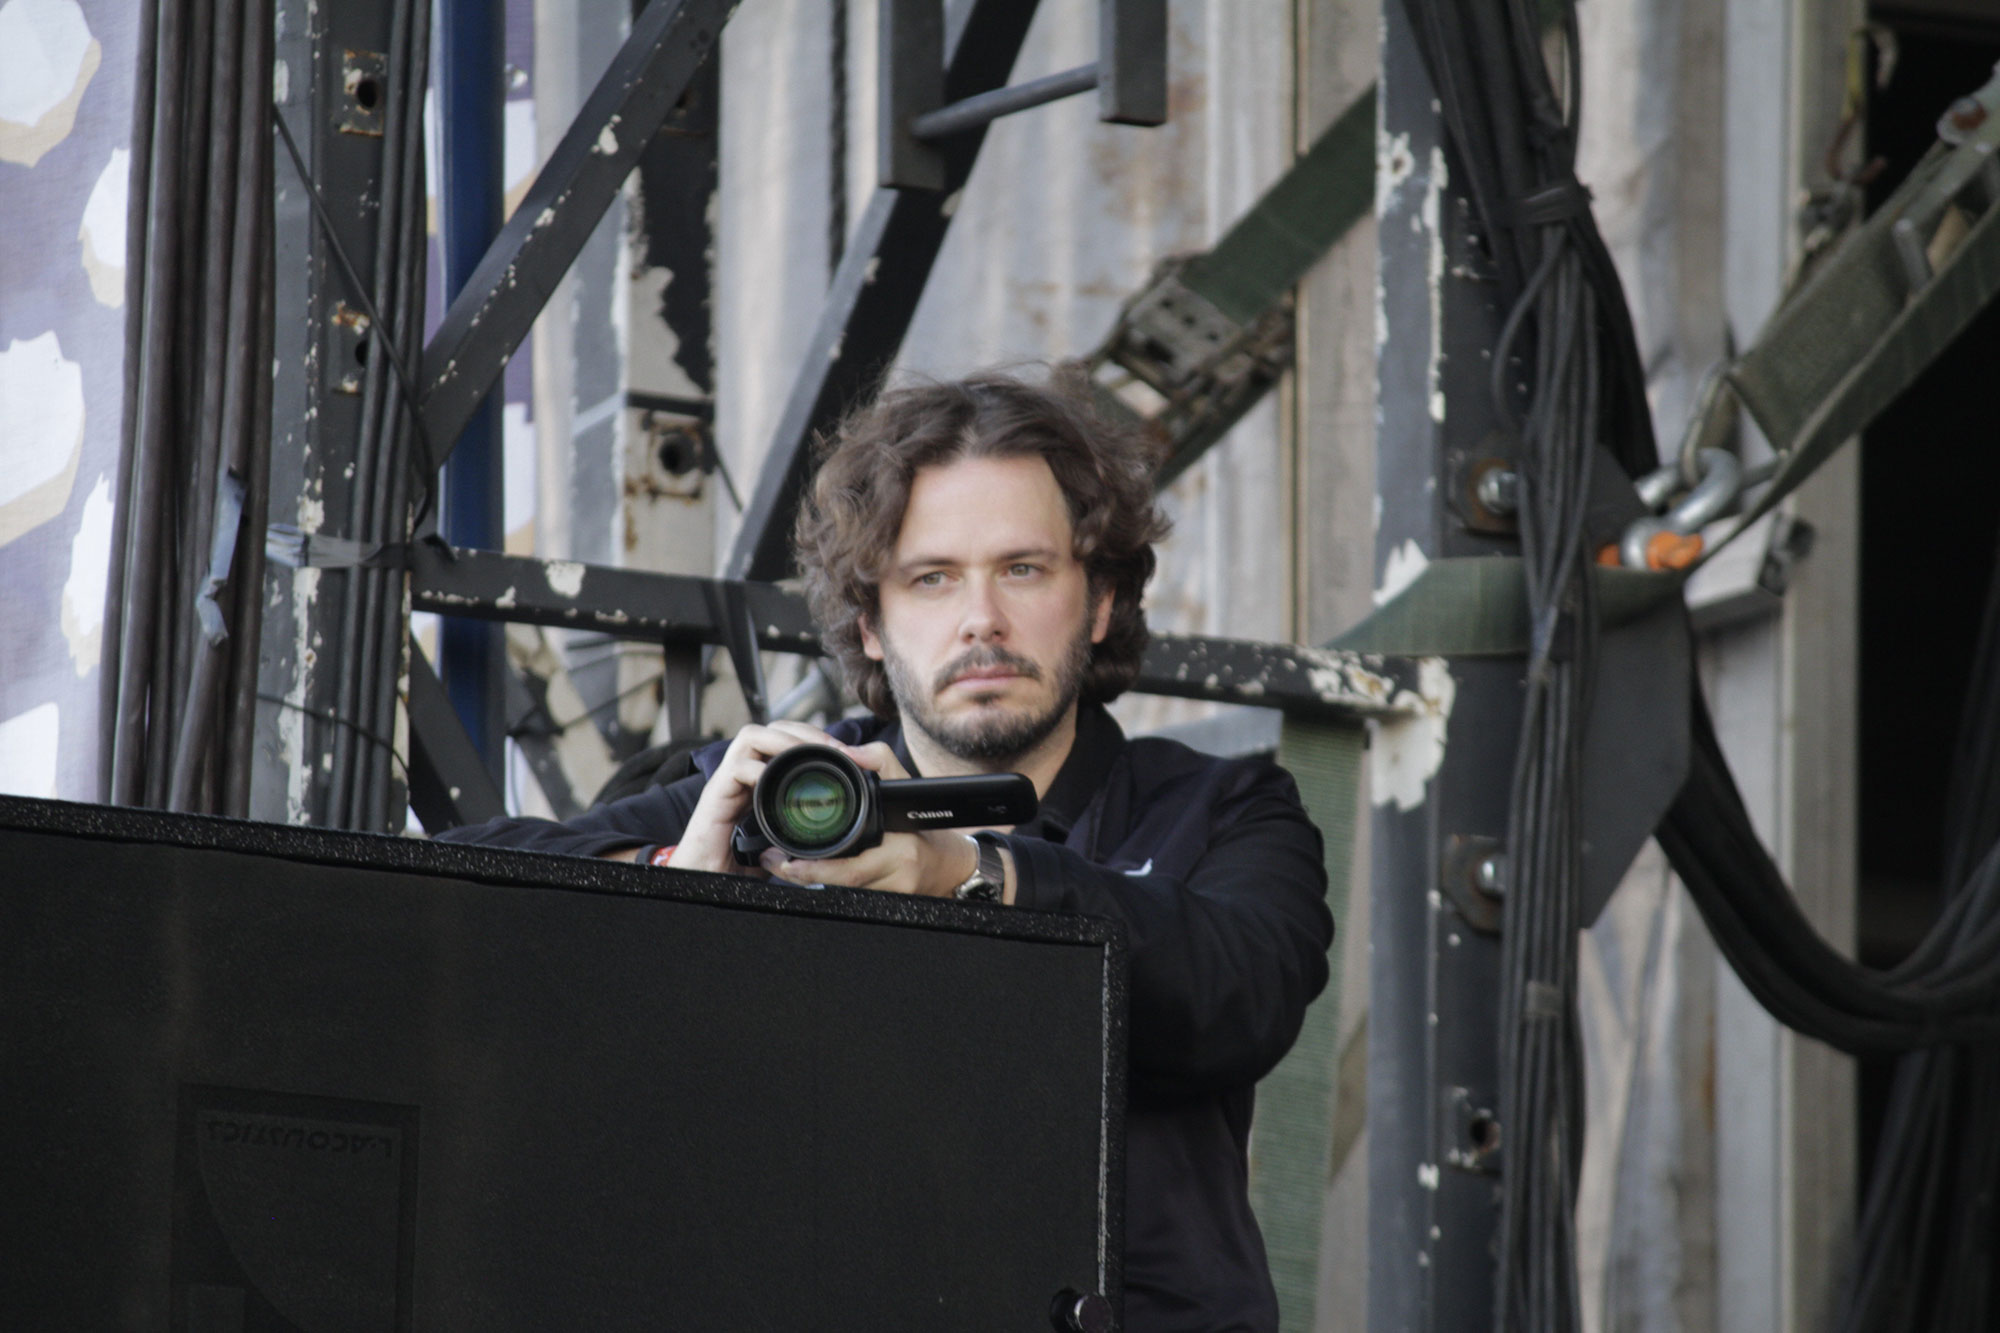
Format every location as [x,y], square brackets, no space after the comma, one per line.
[471,84]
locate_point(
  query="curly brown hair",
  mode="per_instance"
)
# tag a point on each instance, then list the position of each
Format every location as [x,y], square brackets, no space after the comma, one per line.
[848,524]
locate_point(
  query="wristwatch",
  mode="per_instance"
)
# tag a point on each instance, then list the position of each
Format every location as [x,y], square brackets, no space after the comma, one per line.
[989,877]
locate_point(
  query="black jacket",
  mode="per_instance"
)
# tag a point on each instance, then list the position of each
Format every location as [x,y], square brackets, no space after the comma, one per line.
[1220,882]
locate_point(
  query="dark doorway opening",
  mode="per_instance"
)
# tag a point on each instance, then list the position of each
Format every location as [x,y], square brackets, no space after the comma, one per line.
[1930,533]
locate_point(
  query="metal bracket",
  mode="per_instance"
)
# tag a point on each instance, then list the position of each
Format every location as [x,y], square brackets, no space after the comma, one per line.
[1130,75]
[1132,62]
[1171,333]
[1207,367]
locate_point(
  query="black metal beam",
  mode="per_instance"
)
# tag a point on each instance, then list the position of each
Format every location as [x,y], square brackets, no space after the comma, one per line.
[874,293]
[491,316]
[1434,978]
[679,609]
[449,784]
[626,603]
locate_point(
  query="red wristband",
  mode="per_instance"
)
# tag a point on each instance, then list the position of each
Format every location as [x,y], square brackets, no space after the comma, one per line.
[661,855]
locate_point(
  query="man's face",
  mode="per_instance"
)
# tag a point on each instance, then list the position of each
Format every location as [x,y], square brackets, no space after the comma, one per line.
[987,619]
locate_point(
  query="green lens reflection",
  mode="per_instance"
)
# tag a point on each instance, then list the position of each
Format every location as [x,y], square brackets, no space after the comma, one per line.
[814,807]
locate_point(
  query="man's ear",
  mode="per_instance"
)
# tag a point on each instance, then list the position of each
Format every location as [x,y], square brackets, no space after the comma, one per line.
[871,642]
[1100,618]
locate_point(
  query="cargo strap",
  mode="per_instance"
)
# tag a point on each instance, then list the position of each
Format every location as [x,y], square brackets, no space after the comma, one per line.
[1211,333]
[1881,306]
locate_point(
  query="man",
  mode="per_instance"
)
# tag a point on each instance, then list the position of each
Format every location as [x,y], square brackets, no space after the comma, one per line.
[975,555]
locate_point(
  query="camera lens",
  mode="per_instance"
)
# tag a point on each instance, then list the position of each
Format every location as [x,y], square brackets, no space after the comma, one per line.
[815,806]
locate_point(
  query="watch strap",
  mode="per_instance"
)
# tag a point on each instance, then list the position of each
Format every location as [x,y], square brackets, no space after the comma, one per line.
[989,876]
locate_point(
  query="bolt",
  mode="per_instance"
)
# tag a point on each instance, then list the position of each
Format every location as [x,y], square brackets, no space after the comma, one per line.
[1499,490]
[1490,875]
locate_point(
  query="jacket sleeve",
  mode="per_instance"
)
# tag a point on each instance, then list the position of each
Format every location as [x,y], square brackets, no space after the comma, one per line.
[1223,960]
[657,814]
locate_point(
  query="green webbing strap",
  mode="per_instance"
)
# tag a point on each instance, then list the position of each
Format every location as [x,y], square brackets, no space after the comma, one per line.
[1477,606]
[1291,1146]
[1270,248]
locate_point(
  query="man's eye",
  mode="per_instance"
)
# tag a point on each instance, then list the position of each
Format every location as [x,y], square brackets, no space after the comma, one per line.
[934,579]
[1022,571]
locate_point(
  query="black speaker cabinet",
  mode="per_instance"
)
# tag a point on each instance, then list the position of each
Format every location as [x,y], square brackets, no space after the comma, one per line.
[262,1078]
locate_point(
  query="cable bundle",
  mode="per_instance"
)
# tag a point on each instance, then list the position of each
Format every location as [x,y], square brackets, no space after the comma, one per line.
[180,662]
[1927,1245]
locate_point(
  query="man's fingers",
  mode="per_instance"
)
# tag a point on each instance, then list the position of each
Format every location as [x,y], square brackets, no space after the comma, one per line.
[803,731]
[873,869]
[770,738]
[879,758]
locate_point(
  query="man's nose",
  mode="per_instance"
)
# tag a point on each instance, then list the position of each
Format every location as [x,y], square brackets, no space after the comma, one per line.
[983,620]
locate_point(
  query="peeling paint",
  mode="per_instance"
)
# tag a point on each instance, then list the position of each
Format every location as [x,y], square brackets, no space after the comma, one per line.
[1434,277]
[1400,570]
[565,577]
[506,599]
[1408,750]
[1427,1175]
[292,719]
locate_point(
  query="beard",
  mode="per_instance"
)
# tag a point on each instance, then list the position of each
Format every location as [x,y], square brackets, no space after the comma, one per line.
[988,733]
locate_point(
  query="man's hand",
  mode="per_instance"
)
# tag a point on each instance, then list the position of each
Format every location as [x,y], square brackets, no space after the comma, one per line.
[930,863]
[705,844]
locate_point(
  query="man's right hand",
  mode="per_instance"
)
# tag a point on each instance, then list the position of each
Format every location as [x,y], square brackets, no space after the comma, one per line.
[705,843]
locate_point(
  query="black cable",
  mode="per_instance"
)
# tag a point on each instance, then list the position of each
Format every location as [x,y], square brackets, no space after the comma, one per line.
[145,503]
[389,798]
[198,658]
[138,209]
[337,721]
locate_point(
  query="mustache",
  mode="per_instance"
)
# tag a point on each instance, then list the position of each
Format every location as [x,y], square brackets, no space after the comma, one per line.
[979,659]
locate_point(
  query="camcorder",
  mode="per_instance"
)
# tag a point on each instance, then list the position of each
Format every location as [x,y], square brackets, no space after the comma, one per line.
[814,803]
